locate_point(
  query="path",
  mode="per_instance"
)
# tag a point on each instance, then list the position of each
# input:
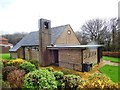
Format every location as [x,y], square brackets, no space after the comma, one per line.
[111,63]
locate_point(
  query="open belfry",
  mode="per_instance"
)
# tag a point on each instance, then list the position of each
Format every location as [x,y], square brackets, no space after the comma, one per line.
[56,45]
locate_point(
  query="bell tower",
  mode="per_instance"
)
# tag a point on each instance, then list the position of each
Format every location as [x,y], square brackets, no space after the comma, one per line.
[44,40]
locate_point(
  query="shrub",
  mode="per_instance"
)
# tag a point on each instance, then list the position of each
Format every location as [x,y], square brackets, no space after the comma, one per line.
[16,62]
[98,81]
[5,62]
[49,69]
[16,78]
[35,62]
[27,66]
[71,81]
[112,54]
[6,85]
[40,80]
[6,70]
[59,79]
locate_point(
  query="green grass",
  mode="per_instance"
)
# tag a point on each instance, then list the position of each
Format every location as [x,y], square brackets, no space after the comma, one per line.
[5,56]
[111,59]
[112,72]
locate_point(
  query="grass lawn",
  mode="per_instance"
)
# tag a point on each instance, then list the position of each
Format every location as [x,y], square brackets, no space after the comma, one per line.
[112,72]
[5,56]
[111,59]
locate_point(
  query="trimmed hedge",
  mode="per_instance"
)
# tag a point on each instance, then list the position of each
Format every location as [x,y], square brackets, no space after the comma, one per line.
[111,54]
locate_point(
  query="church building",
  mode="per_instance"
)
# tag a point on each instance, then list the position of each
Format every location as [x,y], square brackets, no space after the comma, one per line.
[57,45]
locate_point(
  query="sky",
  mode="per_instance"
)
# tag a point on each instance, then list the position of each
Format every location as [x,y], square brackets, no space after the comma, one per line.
[23,15]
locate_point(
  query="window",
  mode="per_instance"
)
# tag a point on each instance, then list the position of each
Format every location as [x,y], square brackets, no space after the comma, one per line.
[69,32]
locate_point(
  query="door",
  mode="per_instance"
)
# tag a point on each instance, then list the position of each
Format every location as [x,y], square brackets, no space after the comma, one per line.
[56,56]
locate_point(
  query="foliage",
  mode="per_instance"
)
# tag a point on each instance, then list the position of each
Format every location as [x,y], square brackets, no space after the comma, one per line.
[58,75]
[71,81]
[15,37]
[16,62]
[112,54]
[40,79]
[35,62]
[112,72]
[111,59]
[49,69]
[98,82]
[5,85]
[27,66]
[66,71]
[16,78]
[59,79]
[6,70]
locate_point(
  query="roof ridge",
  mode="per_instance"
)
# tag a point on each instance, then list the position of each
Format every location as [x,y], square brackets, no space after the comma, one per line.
[60,26]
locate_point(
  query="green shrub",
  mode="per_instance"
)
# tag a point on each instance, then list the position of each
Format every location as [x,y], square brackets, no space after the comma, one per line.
[6,70]
[6,85]
[40,80]
[16,78]
[98,82]
[59,79]
[71,81]
[49,69]
[58,75]
[35,62]
[27,66]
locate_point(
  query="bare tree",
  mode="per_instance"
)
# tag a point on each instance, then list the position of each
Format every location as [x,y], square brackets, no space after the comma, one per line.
[95,30]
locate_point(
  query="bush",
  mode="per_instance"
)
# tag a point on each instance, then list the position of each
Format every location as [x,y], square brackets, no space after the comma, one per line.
[27,66]
[40,80]
[59,79]
[16,62]
[112,54]
[98,81]
[5,62]
[35,62]
[71,81]
[6,70]
[16,78]
[6,85]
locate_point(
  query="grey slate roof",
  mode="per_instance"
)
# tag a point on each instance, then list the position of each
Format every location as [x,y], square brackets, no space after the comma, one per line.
[33,37]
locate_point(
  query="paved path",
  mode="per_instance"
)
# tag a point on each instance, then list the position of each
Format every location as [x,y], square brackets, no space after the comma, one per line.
[111,63]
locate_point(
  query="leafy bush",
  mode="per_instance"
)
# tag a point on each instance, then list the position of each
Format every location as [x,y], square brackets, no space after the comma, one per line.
[112,54]
[71,81]
[5,63]
[98,81]
[59,79]
[16,78]
[27,66]
[5,85]
[58,75]
[40,80]
[16,62]
[49,69]
[35,62]
[6,70]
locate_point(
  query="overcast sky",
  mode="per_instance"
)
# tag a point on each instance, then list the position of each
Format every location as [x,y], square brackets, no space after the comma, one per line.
[23,15]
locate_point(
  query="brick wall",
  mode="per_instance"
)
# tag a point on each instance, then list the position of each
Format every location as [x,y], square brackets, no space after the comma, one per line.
[70,58]
[4,49]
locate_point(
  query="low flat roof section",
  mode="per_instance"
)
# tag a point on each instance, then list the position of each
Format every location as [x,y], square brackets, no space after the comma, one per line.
[73,46]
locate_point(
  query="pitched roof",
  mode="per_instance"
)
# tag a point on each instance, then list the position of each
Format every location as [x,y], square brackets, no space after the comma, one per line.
[33,37]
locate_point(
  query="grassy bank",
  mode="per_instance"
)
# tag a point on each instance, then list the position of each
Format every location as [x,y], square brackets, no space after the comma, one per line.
[111,71]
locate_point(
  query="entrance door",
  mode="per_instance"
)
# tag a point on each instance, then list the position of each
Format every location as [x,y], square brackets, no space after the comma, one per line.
[55,52]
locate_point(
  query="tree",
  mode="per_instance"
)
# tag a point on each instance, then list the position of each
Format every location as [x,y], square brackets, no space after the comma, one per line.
[14,38]
[96,30]
[114,31]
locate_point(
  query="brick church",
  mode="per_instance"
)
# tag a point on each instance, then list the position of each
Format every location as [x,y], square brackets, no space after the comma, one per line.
[57,45]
